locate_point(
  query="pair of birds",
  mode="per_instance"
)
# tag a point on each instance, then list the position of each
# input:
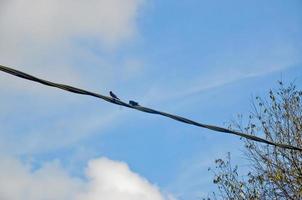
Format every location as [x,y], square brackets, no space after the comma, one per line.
[132,103]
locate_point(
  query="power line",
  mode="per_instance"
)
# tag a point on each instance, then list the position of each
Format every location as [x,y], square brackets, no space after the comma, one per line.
[142,108]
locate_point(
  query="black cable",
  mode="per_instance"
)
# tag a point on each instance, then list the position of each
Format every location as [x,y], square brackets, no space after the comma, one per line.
[141,108]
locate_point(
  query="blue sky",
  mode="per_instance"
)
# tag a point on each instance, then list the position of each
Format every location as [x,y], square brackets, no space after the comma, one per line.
[204,60]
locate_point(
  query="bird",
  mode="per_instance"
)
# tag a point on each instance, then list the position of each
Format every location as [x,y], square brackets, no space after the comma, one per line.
[133,103]
[113,95]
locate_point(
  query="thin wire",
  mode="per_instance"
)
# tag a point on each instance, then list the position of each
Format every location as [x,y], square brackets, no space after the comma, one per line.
[141,108]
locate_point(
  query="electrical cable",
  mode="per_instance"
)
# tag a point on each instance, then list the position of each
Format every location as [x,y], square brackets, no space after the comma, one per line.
[142,108]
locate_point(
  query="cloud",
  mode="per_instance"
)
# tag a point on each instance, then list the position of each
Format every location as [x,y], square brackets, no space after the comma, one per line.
[109,21]
[111,180]
[49,182]
[46,137]
[55,40]
[226,71]
[54,37]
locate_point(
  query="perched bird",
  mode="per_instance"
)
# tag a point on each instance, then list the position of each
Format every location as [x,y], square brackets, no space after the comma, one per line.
[113,95]
[133,103]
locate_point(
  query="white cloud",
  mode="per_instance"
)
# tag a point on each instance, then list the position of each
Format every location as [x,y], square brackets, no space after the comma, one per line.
[110,180]
[41,37]
[48,21]
[46,36]
[44,137]
[17,182]
[229,69]
[113,180]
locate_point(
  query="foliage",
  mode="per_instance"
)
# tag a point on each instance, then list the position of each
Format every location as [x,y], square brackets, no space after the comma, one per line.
[275,173]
